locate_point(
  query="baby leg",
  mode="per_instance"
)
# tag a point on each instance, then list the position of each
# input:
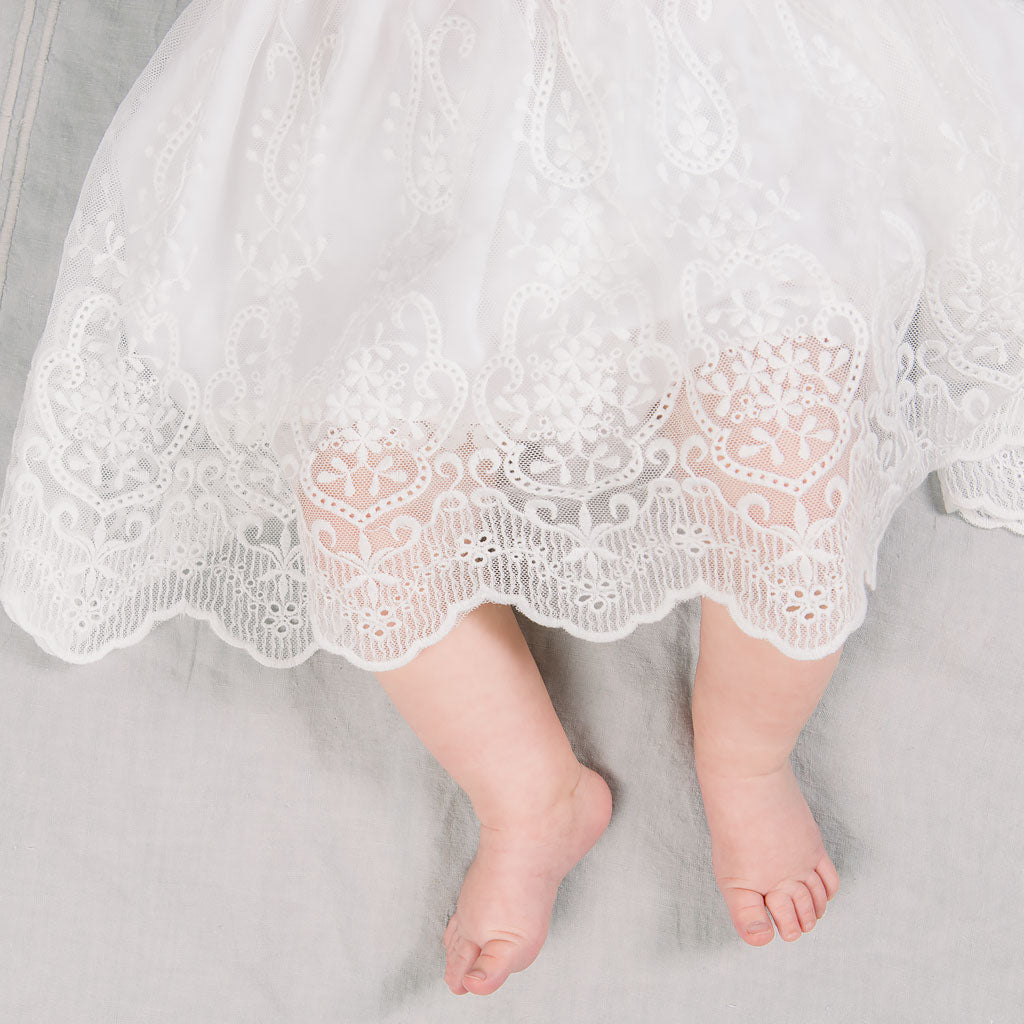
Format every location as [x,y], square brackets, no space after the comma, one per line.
[750,703]
[477,702]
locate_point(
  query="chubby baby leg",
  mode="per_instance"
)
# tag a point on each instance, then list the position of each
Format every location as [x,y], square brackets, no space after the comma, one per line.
[477,701]
[750,703]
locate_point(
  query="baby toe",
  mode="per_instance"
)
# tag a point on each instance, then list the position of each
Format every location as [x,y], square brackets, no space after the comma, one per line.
[816,887]
[461,954]
[495,963]
[804,903]
[828,874]
[781,905]
[749,917]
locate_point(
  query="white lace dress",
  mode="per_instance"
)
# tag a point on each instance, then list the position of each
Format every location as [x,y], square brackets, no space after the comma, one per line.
[376,310]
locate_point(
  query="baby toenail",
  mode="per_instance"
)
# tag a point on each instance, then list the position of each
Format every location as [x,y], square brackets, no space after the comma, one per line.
[757,926]
[478,974]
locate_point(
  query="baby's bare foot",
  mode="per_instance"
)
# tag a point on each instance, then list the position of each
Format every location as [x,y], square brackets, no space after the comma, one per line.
[504,908]
[766,850]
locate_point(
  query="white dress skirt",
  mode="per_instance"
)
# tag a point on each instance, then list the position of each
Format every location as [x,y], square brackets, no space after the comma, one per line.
[373,311]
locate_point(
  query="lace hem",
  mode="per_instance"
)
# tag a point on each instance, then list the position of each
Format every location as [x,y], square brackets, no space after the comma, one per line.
[985,485]
[987,492]
[80,604]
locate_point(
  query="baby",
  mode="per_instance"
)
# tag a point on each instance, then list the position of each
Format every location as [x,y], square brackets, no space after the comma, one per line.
[498,735]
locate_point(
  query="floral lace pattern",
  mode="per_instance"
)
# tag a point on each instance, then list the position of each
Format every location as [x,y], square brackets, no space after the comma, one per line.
[371,313]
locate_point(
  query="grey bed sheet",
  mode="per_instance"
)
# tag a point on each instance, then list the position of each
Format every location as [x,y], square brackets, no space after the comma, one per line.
[187,837]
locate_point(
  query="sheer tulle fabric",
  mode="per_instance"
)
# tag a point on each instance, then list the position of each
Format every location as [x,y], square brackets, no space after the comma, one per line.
[374,311]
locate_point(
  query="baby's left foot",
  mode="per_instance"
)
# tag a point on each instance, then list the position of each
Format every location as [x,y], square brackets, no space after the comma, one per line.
[766,850]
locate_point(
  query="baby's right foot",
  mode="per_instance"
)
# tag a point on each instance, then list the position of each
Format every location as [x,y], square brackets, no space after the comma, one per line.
[504,908]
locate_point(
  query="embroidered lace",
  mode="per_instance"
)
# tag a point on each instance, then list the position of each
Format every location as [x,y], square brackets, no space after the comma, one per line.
[373,311]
